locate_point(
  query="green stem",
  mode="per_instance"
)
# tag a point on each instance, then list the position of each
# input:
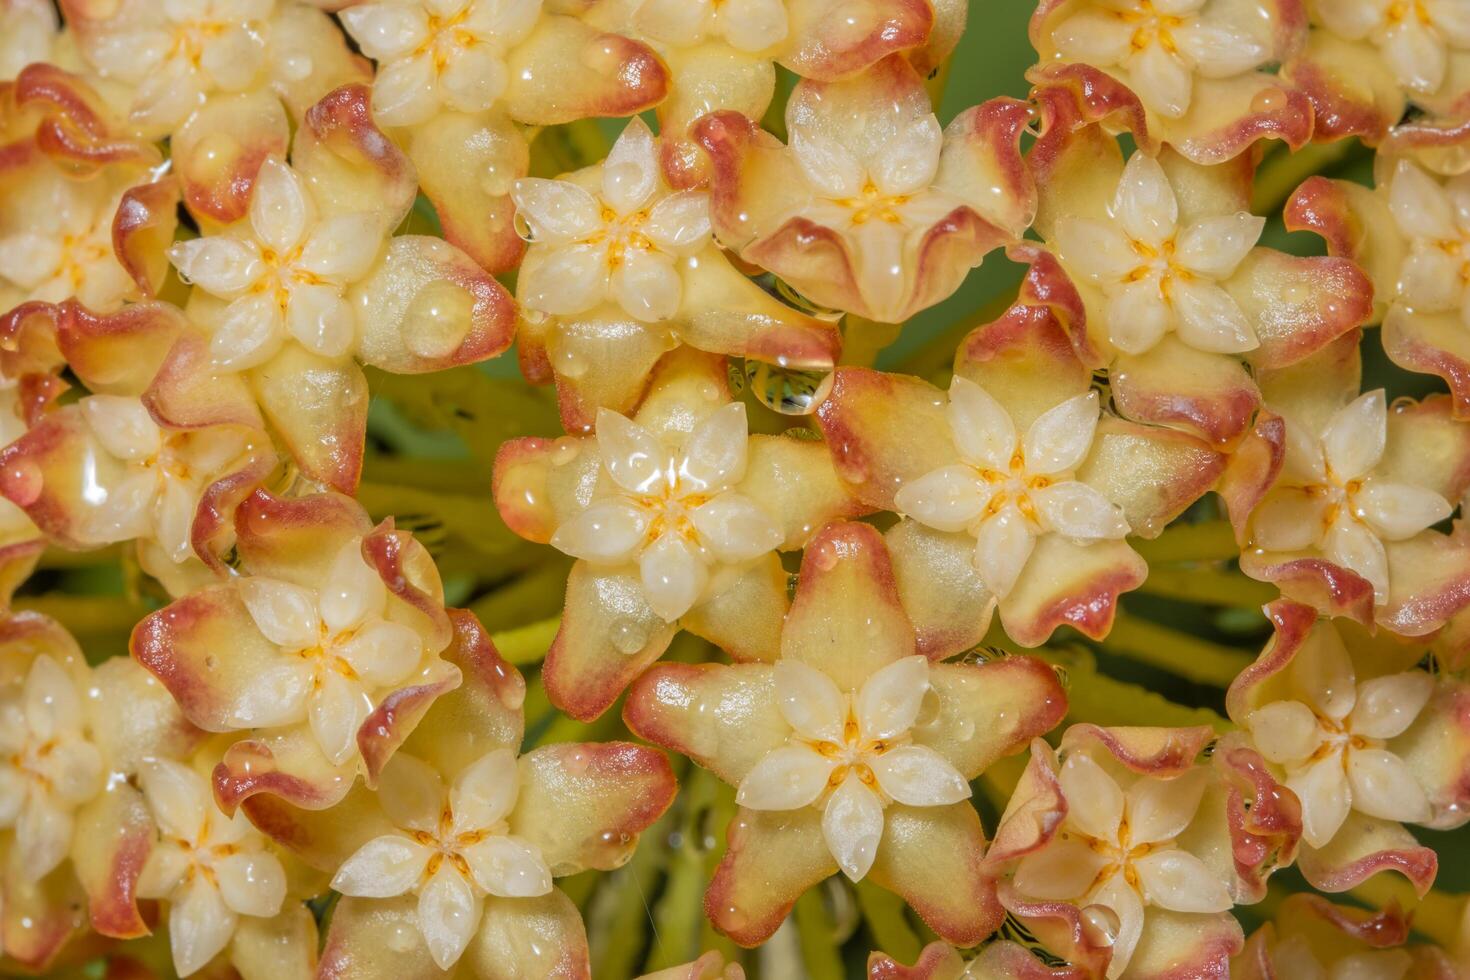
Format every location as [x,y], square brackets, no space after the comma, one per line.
[1102,700]
[1205,541]
[1283,172]
[1175,651]
[527,644]
[863,340]
[1208,586]
[87,615]
[884,912]
[533,595]
[814,927]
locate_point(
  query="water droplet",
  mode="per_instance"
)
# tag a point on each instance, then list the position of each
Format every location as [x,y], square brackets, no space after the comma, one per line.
[577,761]
[1271,99]
[1100,925]
[570,363]
[438,318]
[496,180]
[523,228]
[787,390]
[929,710]
[628,636]
[964,730]
[734,919]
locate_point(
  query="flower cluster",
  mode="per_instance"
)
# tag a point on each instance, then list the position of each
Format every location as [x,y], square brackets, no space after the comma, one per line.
[328,650]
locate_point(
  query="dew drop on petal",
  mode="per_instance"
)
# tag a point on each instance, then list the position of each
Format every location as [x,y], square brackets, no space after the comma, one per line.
[438,318]
[1100,925]
[787,390]
[523,228]
[1270,99]
[628,636]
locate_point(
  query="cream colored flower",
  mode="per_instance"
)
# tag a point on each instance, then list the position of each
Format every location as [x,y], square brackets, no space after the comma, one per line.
[1327,497]
[1157,276]
[1329,738]
[450,847]
[165,473]
[284,272]
[1009,489]
[28,31]
[48,766]
[851,755]
[1160,46]
[438,53]
[670,509]
[1435,219]
[1415,37]
[68,253]
[1117,850]
[620,244]
[746,25]
[210,868]
[337,652]
[177,52]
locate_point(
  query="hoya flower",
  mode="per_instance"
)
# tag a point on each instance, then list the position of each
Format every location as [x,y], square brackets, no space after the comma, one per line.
[1015,490]
[1365,738]
[28,32]
[457,79]
[104,469]
[1154,268]
[997,958]
[1311,937]
[723,56]
[1343,512]
[1129,856]
[1366,62]
[450,864]
[676,517]
[710,966]
[1409,234]
[210,868]
[850,752]
[620,266]
[325,648]
[288,300]
[871,207]
[1190,73]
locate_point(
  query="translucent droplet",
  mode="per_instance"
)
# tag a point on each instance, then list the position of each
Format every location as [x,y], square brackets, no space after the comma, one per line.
[929,710]
[1270,99]
[496,180]
[577,761]
[789,295]
[564,450]
[787,390]
[523,228]
[438,318]
[964,730]
[570,363]
[1100,925]
[628,636]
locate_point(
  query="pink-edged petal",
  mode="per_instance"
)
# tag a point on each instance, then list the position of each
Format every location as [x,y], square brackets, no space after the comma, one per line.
[1072,584]
[770,859]
[931,857]
[1362,847]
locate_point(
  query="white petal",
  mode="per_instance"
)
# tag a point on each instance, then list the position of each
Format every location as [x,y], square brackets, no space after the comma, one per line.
[909,161]
[946,499]
[508,867]
[1177,880]
[336,712]
[52,706]
[1097,249]
[504,22]
[274,696]
[74,769]
[1214,247]
[827,164]
[1322,788]
[556,211]
[252,883]
[715,453]
[1210,320]
[321,320]
[1220,49]
[474,79]
[383,653]
[1078,511]
[1002,548]
[632,455]
[249,334]
[735,528]
[1059,439]
[608,533]
[786,778]
[569,279]
[43,837]
[280,211]
[1063,870]
[412,793]
[852,824]
[219,265]
[753,25]
[386,30]
[1401,510]
[1288,519]
[406,91]
[1355,547]
[1137,315]
[448,915]
[343,247]
[1388,705]
[1145,203]
[810,701]
[1417,57]
[178,798]
[1284,731]
[164,870]
[982,428]
[234,57]
[1452,19]
[352,592]
[123,426]
[173,518]
[1384,787]
[673,576]
[646,285]
[199,927]
[889,699]
[285,613]
[1161,81]
[1429,281]
[1094,37]
[1160,809]
[484,793]
[1094,801]
[384,867]
[917,775]
[1354,438]
[630,174]
[1322,673]
[882,279]
[680,223]
[1420,205]
[28,259]
[1352,19]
